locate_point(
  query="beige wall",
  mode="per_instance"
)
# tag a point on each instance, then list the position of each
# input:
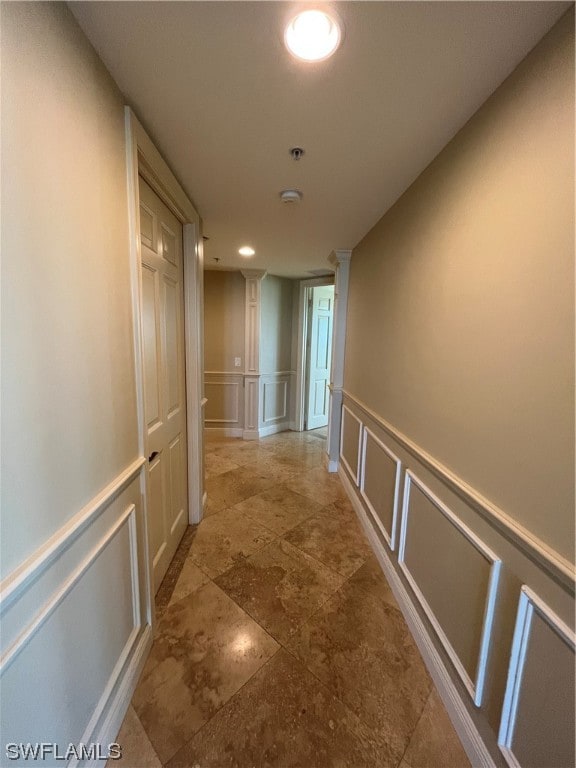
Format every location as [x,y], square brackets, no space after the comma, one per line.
[276,325]
[461,309]
[69,426]
[224,322]
[67,358]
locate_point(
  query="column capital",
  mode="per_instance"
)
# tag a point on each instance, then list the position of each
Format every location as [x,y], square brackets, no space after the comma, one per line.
[340,256]
[253,273]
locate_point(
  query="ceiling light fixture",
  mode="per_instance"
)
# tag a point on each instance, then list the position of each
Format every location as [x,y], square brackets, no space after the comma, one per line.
[246,251]
[313,35]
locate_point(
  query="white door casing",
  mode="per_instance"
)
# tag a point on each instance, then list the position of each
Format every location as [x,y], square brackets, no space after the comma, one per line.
[319,356]
[164,377]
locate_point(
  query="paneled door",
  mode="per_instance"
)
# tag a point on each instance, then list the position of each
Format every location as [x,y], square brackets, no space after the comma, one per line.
[319,355]
[164,377]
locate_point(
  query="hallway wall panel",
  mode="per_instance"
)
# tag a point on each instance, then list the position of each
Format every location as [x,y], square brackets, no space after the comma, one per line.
[460,369]
[74,593]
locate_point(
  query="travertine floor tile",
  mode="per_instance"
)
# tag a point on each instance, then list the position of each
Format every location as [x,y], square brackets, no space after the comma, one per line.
[280,587]
[191,579]
[229,488]
[137,751]
[226,538]
[434,742]
[278,508]
[335,540]
[217,465]
[206,649]
[318,485]
[360,646]
[283,718]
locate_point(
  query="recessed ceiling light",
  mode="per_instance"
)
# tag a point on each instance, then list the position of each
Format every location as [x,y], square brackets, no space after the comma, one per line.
[312,35]
[246,251]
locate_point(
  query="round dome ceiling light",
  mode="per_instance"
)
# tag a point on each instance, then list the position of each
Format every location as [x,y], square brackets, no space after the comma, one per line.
[313,35]
[246,250]
[291,196]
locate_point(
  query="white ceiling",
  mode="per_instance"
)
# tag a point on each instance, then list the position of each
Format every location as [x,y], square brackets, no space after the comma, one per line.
[224,102]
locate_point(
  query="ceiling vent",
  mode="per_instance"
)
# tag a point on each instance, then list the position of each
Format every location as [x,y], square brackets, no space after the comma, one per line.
[291,196]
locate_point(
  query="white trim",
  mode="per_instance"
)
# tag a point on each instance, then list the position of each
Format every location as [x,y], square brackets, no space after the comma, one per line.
[143,158]
[341,261]
[30,630]
[304,286]
[554,563]
[389,536]
[118,702]
[528,603]
[476,687]
[16,582]
[355,475]
[462,721]
[273,429]
[250,434]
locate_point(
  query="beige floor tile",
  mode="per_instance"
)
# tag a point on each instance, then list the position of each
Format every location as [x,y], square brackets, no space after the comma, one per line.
[435,743]
[229,488]
[217,465]
[280,587]
[137,751]
[223,539]
[319,485]
[336,541]
[283,717]
[191,579]
[278,508]
[361,647]
[206,649]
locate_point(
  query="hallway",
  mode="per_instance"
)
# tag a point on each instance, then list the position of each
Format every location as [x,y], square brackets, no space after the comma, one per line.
[278,640]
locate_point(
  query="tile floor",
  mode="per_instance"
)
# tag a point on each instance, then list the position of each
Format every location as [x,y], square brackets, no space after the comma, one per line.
[279,642]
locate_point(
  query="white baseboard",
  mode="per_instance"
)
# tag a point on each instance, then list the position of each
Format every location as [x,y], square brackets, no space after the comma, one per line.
[273,429]
[333,465]
[250,434]
[109,725]
[225,431]
[473,744]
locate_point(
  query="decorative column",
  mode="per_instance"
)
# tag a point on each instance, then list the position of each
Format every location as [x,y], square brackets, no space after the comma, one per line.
[341,261]
[253,279]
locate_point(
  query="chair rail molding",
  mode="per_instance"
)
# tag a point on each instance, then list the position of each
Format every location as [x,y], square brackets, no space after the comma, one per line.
[340,259]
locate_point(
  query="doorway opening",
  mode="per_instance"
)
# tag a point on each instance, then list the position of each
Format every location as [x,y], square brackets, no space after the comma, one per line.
[319,317]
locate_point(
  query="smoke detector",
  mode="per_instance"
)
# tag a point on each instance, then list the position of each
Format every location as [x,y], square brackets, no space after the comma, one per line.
[291,196]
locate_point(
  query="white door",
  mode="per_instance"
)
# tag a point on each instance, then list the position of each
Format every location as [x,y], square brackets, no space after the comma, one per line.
[164,377]
[319,356]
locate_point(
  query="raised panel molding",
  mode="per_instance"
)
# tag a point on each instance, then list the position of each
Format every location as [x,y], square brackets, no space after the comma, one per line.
[530,606]
[271,399]
[29,630]
[353,473]
[475,687]
[554,563]
[390,536]
[42,597]
[234,417]
[471,738]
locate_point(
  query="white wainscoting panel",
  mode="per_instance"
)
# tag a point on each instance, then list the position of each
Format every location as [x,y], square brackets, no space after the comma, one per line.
[351,442]
[457,593]
[537,726]
[224,409]
[76,630]
[380,471]
[275,404]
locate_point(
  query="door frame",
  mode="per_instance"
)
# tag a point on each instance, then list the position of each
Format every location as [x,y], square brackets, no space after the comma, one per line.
[303,330]
[144,159]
